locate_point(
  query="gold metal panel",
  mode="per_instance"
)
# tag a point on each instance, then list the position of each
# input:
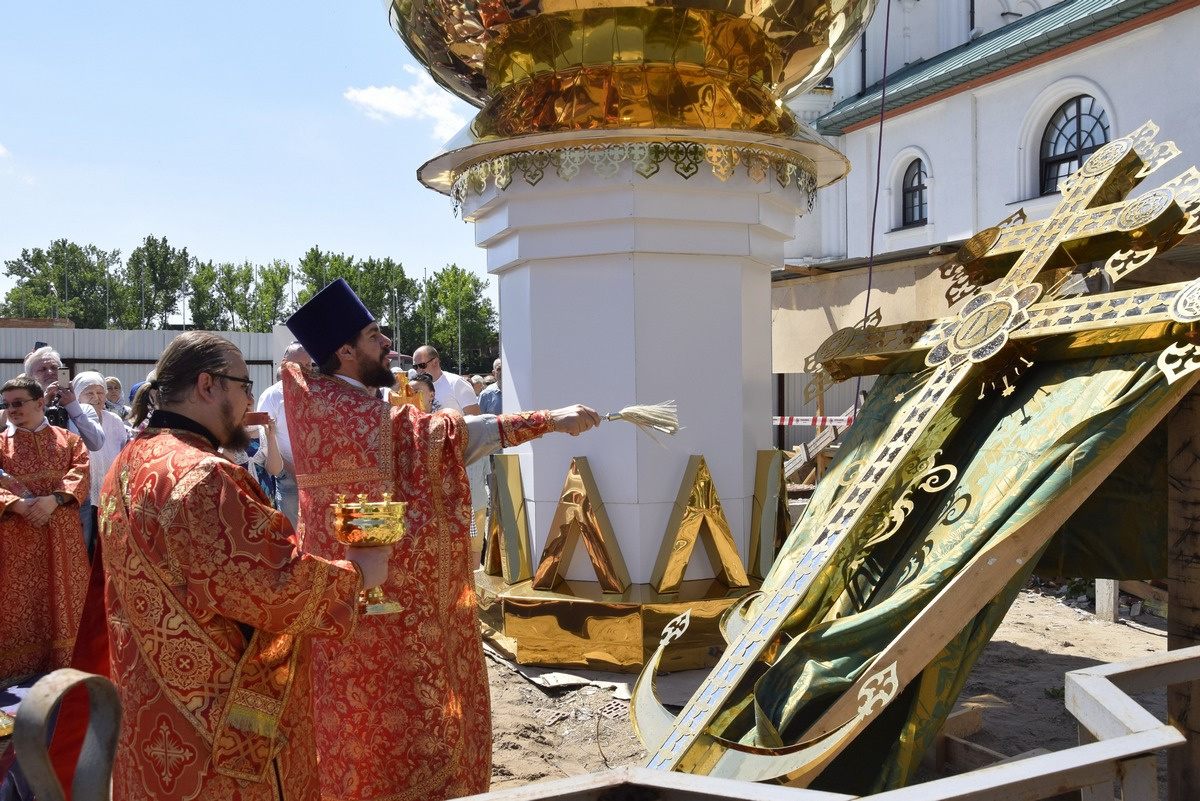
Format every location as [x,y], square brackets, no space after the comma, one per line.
[770,520]
[571,634]
[581,625]
[697,514]
[581,513]
[460,42]
[1080,327]
[508,529]
[488,590]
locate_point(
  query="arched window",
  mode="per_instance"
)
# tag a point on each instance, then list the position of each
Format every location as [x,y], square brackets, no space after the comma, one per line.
[1076,130]
[914,200]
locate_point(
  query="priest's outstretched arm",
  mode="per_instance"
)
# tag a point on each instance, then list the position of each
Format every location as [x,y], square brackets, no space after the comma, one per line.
[488,433]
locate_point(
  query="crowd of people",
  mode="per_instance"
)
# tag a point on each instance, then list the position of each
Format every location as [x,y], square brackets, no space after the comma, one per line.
[246,665]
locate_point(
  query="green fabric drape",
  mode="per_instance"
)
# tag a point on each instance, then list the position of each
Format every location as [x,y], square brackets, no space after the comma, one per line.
[1015,457]
[1121,531]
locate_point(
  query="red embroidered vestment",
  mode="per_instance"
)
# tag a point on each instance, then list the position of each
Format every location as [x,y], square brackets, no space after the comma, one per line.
[402,707]
[210,608]
[43,569]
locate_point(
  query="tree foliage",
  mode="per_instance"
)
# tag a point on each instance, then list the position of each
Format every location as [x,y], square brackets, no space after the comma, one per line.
[64,280]
[206,310]
[462,321]
[270,306]
[152,283]
[381,284]
[161,285]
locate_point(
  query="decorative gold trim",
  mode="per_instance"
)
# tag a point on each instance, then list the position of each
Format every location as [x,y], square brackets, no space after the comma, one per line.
[581,512]
[508,527]
[1178,360]
[647,158]
[697,513]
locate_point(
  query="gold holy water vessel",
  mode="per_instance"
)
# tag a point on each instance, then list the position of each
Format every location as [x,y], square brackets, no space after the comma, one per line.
[366,523]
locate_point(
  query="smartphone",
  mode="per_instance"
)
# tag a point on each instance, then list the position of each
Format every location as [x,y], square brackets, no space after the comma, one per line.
[64,377]
[256,419]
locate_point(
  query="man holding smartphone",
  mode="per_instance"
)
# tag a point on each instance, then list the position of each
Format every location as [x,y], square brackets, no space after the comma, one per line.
[45,366]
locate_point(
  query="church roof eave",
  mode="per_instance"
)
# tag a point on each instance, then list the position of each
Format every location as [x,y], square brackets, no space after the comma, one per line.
[1054,27]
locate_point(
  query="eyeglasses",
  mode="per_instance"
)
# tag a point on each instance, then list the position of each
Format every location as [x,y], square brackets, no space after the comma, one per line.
[246,383]
[423,365]
[17,404]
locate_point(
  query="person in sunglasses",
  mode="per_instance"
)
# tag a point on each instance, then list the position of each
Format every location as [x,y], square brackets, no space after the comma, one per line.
[43,560]
[401,706]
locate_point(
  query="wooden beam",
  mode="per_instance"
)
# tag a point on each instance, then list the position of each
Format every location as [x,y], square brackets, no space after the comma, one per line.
[1145,591]
[1183,572]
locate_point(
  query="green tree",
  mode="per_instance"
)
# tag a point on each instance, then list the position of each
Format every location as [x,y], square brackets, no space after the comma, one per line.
[206,311]
[233,293]
[269,305]
[152,284]
[239,297]
[317,268]
[64,280]
[462,322]
[381,284]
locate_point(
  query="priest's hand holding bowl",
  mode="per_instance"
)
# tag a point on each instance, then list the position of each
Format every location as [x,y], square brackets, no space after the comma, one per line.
[371,561]
[363,526]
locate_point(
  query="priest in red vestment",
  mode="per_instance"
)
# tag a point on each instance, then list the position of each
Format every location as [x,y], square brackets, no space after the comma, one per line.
[211,605]
[402,707]
[43,559]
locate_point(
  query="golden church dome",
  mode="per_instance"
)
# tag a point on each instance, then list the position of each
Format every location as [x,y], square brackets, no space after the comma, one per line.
[604,65]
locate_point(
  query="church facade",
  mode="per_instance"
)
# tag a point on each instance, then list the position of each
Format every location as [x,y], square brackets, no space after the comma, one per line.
[989,105]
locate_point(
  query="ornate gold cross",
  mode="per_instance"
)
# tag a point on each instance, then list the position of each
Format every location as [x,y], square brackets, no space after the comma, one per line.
[1093,221]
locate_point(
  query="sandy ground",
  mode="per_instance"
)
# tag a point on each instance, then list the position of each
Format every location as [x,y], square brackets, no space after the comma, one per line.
[542,735]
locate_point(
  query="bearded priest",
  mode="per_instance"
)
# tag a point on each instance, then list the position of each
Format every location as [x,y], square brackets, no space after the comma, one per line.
[402,707]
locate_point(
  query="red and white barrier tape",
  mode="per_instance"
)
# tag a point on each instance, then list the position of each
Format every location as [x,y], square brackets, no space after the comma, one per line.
[843,420]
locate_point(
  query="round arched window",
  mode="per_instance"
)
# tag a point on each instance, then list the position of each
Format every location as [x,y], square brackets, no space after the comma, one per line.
[1076,130]
[913,196]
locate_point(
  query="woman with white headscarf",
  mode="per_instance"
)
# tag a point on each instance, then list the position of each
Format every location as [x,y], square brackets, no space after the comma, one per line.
[90,389]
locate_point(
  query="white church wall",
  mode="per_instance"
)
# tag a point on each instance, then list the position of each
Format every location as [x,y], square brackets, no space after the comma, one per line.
[982,144]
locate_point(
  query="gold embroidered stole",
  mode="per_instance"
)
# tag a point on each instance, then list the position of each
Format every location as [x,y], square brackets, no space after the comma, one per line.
[189,667]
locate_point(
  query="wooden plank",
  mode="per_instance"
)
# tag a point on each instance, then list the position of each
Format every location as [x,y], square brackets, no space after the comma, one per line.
[1040,776]
[962,755]
[1139,777]
[961,723]
[1144,590]
[1100,707]
[964,722]
[1183,573]
[1147,672]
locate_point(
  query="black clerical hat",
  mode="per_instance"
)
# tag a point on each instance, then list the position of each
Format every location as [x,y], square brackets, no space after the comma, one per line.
[333,317]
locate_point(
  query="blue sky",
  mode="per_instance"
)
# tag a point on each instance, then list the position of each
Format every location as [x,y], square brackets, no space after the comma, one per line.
[240,130]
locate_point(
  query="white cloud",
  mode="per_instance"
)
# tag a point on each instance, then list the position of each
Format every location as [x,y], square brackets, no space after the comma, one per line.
[8,169]
[421,100]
